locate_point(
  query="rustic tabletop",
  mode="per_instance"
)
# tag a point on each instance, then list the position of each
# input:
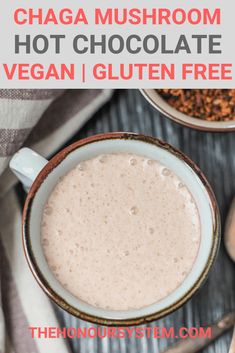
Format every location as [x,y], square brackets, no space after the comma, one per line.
[215,154]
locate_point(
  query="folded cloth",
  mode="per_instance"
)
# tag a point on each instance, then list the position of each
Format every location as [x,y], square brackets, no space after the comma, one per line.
[43,120]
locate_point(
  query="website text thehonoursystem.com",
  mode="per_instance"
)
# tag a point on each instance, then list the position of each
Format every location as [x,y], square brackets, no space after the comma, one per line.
[120,332]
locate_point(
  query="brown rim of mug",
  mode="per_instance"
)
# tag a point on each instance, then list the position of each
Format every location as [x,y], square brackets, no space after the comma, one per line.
[56,160]
[182,122]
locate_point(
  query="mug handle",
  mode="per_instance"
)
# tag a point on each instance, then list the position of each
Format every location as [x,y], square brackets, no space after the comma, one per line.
[26,164]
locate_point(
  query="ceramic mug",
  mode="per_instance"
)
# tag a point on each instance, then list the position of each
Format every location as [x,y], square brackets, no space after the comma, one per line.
[40,176]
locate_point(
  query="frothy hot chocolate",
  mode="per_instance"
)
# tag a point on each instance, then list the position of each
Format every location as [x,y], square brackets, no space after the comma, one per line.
[120,231]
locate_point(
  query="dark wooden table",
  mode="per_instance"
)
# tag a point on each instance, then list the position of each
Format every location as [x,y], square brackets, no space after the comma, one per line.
[215,154]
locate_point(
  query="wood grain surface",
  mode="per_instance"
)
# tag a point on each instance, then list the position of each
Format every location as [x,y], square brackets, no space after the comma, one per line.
[215,154]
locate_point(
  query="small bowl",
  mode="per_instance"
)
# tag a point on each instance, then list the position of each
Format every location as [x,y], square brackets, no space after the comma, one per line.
[161,105]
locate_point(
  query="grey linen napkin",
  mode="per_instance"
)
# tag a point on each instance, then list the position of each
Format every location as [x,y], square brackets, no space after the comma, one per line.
[43,120]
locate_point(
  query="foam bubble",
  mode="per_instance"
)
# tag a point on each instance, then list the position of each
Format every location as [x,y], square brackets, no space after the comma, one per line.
[103,159]
[45,242]
[166,172]
[48,210]
[134,210]
[133,161]
[81,166]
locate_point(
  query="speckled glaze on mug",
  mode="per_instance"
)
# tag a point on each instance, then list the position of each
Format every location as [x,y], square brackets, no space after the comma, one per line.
[114,143]
[170,112]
